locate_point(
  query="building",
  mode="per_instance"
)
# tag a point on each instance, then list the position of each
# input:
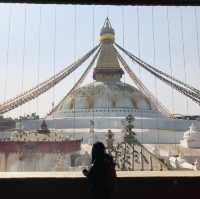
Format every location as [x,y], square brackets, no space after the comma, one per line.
[33,151]
[6,123]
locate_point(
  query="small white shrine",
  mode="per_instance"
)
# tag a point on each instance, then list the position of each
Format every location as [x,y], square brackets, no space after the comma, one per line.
[191,138]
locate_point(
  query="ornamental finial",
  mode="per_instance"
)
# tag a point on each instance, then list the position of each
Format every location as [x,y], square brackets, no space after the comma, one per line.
[107,32]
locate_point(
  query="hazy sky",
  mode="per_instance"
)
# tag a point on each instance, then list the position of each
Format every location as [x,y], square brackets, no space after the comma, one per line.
[36,39]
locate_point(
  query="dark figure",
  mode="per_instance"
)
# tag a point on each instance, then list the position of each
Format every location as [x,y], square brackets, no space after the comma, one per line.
[44,129]
[101,173]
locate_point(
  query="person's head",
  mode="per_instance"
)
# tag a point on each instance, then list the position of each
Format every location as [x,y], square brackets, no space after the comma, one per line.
[98,151]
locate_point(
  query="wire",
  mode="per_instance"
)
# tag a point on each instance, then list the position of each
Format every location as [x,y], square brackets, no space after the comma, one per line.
[54,55]
[7,52]
[75,51]
[23,56]
[75,32]
[123,29]
[170,66]
[123,41]
[93,35]
[154,61]
[108,11]
[39,56]
[183,53]
[139,55]
[24,48]
[153,36]
[170,57]
[93,25]
[138,32]
[197,35]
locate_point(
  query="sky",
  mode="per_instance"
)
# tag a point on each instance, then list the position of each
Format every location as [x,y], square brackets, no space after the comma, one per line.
[37,41]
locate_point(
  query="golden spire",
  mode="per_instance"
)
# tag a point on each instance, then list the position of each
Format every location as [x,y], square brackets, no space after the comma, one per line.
[107,67]
[107,32]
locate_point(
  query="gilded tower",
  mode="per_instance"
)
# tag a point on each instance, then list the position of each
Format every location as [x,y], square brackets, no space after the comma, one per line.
[107,68]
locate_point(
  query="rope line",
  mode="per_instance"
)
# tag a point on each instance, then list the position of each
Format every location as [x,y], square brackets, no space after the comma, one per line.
[170,57]
[183,53]
[139,54]
[108,11]
[93,25]
[93,38]
[123,33]
[7,52]
[154,62]
[39,55]
[23,56]
[140,85]
[44,86]
[157,72]
[197,35]
[123,41]
[54,54]
[170,67]
[79,82]
[193,89]
[75,52]
[182,90]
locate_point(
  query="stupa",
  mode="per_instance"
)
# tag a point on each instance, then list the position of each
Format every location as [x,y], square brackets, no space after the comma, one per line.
[107,101]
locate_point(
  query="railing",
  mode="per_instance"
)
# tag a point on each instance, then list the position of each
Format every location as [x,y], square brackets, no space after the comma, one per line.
[107,109]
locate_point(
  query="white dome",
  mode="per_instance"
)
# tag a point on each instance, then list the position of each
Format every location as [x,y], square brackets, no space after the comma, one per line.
[105,95]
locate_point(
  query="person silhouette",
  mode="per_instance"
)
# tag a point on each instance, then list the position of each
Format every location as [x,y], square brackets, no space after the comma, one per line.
[101,173]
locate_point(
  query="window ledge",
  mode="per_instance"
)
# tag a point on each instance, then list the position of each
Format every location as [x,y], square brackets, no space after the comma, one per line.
[120,174]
